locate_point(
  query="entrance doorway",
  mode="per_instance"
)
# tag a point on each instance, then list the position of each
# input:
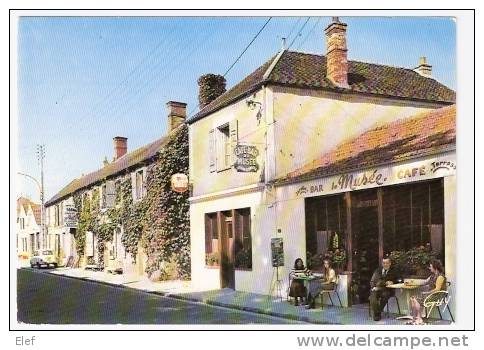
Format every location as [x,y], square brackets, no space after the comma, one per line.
[226,241]
[366,245]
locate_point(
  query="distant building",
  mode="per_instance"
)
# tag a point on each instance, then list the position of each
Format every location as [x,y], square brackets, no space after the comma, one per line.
[28,234]
[125,166]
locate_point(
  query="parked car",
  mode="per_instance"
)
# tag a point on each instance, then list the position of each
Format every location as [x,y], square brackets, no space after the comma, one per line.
[43,257]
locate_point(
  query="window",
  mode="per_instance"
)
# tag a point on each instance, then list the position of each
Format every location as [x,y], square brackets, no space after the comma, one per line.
[413,216]
[22,223]
[224,152]
[211,240]
[139,184]
[108,194]
[326,228]
[221,143]
[56,215]
[243,239]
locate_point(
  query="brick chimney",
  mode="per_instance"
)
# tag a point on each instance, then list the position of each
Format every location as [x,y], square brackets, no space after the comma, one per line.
[177,113]
[336,53]
[211,86]
[120,146]
[423,68]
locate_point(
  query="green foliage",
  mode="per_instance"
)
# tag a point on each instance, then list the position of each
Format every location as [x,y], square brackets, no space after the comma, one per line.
[159,221]
[166,227]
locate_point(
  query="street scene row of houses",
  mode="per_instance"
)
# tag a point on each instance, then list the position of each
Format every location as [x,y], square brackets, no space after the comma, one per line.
[310,155]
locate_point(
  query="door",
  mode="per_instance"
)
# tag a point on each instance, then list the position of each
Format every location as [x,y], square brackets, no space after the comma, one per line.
[226,242]
[366,242]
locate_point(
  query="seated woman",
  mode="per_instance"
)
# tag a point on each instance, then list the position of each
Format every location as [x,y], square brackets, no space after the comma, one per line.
[435,282]
[328,282]
[297,289]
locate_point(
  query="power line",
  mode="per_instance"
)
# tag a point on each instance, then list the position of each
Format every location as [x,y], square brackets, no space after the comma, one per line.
[253,39]
[126,78]
[309,33]
[299,33]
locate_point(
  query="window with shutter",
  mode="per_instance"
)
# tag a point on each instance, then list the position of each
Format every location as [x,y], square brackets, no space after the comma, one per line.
[110,195]
[233,127]
[212,152]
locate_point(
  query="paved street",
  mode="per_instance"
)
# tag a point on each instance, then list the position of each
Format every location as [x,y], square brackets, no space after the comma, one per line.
[51,299]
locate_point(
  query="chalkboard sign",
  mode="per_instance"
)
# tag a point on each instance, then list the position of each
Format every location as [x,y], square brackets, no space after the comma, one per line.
[277,249]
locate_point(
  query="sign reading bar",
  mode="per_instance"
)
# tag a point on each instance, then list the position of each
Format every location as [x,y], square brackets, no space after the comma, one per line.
[70,215]
[246,158]
[277,252]
[179,183]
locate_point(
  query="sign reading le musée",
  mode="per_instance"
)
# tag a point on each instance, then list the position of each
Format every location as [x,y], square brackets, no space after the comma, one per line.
[381,176]
[246,158]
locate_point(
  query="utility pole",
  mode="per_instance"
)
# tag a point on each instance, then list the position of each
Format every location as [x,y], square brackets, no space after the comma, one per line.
[40,158]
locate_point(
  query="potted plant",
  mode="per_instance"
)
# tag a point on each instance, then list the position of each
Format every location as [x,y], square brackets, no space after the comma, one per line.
[212,259]
[243,259]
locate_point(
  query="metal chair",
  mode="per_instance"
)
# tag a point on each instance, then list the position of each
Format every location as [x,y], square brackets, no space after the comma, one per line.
[329,291]
[438,308]
[387,306]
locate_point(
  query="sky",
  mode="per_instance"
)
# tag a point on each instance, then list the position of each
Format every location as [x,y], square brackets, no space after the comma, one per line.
[84,80]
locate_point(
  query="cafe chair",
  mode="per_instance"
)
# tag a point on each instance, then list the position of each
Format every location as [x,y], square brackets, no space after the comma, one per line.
[329,292]
[387,306]
[440,311]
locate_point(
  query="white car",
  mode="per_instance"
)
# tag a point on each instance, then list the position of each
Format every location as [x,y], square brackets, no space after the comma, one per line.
[43,258]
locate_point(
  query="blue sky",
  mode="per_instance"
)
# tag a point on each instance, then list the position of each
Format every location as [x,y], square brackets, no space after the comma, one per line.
[84,80]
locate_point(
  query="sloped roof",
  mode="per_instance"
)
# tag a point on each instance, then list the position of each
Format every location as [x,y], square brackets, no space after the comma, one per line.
[127,161]
[26,203]
[426,133]
[304,70]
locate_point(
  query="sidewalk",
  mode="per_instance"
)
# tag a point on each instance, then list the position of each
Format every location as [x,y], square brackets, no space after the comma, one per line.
[229,298]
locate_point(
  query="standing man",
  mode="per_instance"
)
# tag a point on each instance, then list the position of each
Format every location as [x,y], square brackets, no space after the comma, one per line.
[383,277]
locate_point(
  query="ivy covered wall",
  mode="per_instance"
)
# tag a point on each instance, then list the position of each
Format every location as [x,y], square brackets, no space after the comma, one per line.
[159,222]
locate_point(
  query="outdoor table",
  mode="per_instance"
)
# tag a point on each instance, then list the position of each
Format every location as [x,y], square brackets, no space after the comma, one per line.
[307,279]
[408,290]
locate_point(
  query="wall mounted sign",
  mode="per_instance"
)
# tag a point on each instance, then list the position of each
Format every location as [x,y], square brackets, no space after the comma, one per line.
[382,176]
[179,183]
[277,252]
[70,215]
[246,158]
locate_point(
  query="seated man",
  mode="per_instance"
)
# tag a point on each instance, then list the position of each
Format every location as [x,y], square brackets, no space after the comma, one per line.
[381,279]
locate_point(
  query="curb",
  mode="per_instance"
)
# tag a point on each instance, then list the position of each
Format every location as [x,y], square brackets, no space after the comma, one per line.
[205,301]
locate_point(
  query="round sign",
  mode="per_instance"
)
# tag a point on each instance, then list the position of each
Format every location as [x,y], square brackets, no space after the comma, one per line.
[179,183]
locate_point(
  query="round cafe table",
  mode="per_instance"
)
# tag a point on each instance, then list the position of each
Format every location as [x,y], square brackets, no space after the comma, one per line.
[407,291]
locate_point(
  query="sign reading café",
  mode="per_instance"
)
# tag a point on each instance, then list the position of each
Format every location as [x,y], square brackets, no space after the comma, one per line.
[376,177]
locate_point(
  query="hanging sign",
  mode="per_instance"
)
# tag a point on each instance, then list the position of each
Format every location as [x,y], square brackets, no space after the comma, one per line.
[179,183]
[70,215]
[246,158]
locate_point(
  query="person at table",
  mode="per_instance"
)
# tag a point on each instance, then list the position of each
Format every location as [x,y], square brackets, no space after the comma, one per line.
[436,282]
[297,289]
[383,277]
[328,282]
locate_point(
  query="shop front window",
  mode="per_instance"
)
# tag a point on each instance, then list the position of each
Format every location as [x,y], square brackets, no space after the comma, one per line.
[326,231]
[212,257]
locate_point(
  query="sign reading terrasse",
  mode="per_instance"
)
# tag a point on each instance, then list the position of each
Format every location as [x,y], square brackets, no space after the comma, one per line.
[246,158]
[402,173]
[70,215]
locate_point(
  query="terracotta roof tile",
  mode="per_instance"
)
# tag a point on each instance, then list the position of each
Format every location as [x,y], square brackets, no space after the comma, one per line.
[308,71]
[425,133]
[129,160]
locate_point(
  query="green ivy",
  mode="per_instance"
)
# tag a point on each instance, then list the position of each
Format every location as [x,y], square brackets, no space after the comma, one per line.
[160,221]
[166,234]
